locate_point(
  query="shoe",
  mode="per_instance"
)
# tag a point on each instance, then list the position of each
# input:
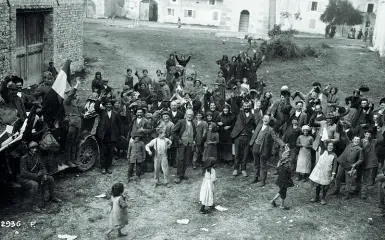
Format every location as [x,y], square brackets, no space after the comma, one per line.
[323,201]
[121,234]
[235,173]
[244,173]
[104,171]
[194,166]
[313,200]
[335,192]
[284,208]
[177,180]
[273,203]
[185,178]
[109,171]
[261,184]
[255,180]
[204,211]
[55,200]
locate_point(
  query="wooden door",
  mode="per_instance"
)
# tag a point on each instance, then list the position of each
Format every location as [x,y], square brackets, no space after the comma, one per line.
[244,21]
[29,47]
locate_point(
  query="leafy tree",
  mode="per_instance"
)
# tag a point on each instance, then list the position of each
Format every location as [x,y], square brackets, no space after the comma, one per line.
[342,12]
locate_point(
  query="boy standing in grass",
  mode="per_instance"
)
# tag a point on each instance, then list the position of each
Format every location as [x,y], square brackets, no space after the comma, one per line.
[160,145]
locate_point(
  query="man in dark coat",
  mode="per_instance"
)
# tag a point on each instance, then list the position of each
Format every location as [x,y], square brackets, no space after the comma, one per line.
[109,133]
[184,133]
[170,63]
[175,114]
[241,135]
[262,144]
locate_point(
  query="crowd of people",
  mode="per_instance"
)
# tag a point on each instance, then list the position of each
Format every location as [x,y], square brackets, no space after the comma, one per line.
[173,119]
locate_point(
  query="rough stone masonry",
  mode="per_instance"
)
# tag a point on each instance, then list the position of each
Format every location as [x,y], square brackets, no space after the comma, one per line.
[62,37]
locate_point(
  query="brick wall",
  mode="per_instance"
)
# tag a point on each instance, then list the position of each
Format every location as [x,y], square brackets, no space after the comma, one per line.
[63,32]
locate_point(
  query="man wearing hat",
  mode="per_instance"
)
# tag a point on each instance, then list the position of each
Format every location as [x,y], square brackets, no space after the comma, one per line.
[165,124]
[25,98]
[164,89]
[33,175]
[277,111]
[184,133]
[109,132]
[241,134]
[16,101]
[159,103]
[363,118]
[73,122]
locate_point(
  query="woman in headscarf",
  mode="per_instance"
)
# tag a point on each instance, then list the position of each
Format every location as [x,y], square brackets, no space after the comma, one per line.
[225,124]
[232,68]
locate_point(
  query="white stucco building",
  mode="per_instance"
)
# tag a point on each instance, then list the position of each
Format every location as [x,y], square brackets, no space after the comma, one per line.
[309,12]
[379,30]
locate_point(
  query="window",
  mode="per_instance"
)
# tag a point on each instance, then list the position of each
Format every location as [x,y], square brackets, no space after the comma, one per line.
[212,2]
[312,23]
[215,15]
[170,12]
[370,8]
[189,13]
[314,6]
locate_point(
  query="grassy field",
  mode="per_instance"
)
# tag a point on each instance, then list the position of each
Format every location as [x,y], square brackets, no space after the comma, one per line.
[153,211]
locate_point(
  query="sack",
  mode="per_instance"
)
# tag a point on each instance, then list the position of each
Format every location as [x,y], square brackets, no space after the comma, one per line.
[49,143]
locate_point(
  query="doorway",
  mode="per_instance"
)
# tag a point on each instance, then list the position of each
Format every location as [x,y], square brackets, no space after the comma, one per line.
[29,46]
[153,11]
[244,21]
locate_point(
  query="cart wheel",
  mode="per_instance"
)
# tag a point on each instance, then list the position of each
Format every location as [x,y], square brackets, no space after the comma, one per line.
[88,154]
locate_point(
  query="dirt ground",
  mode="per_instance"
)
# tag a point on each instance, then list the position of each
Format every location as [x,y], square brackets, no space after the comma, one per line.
[153,211]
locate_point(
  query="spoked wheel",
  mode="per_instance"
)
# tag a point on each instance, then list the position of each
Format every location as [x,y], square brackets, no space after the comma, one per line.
[88,154]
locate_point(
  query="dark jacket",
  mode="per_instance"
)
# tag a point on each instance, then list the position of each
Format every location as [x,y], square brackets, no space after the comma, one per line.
[105,122]
[268,141]
[180,128]
[183,62]
[31,167]
[179,115]
[170,63]
[243,122]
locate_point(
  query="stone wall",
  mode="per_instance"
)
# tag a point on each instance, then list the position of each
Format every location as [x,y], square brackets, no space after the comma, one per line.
[63,32]
[5,53]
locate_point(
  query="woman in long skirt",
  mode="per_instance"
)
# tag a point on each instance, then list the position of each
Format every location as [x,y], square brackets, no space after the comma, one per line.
[212,139]
[305,143]
[226,123]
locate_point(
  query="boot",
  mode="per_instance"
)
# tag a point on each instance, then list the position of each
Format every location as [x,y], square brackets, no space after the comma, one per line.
[235,173]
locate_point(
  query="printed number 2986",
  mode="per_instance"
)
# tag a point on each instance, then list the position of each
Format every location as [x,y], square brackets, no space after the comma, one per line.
[10,224]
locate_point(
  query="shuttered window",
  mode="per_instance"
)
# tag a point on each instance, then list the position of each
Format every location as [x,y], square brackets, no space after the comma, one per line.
[189,13]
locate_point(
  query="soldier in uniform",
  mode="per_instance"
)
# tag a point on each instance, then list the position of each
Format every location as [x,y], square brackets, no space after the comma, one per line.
[73,122]
[33,174]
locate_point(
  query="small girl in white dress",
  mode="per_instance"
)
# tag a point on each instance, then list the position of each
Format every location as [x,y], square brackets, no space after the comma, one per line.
[206,196]
[324,172]
[118,213]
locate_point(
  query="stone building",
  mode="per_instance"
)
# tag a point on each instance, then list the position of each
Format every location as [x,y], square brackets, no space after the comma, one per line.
[36,32]
[379,30]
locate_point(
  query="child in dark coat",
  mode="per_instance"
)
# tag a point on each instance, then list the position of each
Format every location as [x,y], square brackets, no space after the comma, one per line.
[284,180]
[136,155]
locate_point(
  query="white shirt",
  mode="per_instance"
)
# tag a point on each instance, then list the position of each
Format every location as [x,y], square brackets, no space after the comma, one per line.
[109,113]
[297,113]
[247,114]
[19,94]
[263,127]
[189,123]
[174,113]
[138,120]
